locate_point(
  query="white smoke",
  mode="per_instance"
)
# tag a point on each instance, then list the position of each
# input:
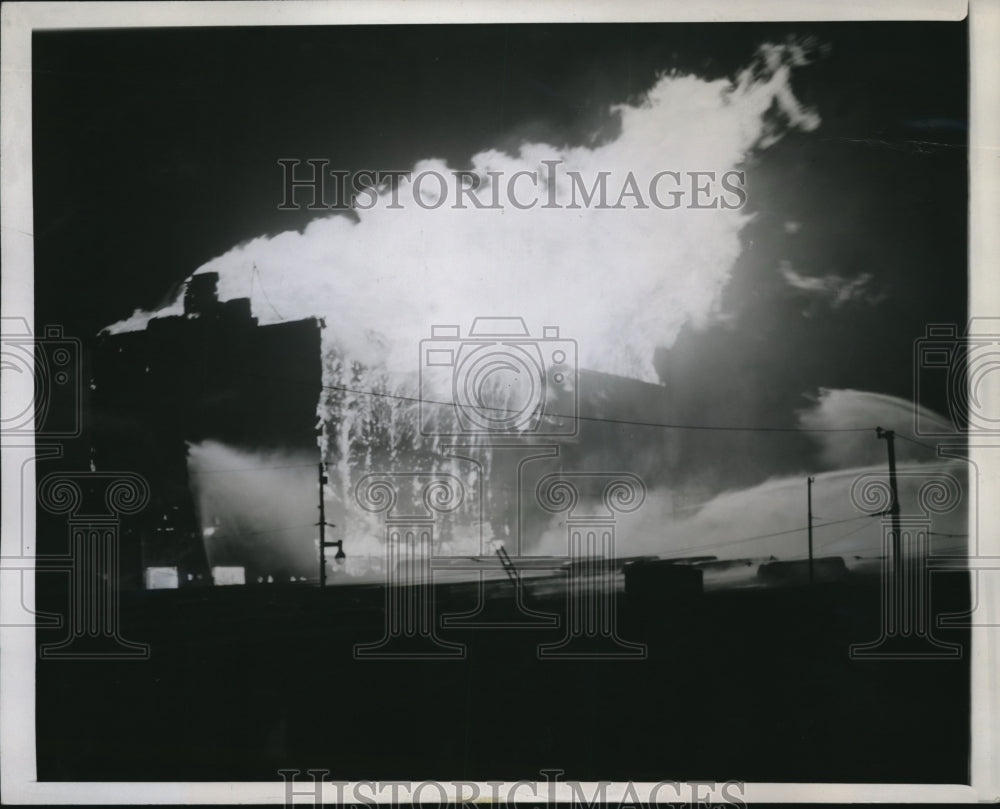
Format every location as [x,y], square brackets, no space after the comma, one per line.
[620,282]
[258,509]
[845,409]
[770,519]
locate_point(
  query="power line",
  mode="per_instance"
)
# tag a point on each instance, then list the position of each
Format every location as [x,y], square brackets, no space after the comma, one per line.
[422,453]
[850,533]
[842,537]
[774,534]
[918,443]
[278,530]
[253,468]
[604,419]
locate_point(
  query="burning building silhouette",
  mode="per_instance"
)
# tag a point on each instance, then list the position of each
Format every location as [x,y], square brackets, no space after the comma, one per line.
[210,374]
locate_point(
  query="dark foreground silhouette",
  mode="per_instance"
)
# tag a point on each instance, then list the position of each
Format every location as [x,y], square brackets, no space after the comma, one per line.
[752,684]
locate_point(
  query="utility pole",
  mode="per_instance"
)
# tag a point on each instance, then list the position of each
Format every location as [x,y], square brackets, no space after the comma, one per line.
[809,504]
[322,527]
[897,556]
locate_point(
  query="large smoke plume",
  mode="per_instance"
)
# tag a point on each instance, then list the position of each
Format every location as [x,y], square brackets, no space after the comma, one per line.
[620,282]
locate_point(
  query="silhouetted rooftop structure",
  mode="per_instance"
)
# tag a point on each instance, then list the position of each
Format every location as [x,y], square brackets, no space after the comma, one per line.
[212,373]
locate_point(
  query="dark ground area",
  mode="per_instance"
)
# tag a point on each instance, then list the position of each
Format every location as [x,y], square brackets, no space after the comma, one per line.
[754,685]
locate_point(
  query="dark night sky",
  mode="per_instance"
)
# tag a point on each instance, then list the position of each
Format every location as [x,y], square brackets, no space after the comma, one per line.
[156,150]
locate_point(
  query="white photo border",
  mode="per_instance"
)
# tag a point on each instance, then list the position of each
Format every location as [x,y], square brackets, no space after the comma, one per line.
[18,778]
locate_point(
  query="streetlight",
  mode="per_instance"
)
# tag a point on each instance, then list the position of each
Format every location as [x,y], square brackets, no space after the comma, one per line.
[340,557]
